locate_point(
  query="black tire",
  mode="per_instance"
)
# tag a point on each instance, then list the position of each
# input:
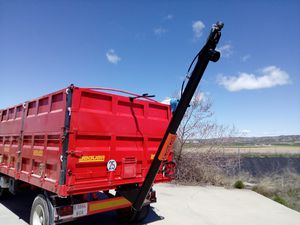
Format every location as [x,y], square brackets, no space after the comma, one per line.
[127,214]
[41,213]
[4,193]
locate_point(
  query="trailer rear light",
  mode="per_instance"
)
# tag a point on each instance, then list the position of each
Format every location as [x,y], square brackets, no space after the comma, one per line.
[65,211]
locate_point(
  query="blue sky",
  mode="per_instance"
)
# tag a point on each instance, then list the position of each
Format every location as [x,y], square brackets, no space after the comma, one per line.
[146,46]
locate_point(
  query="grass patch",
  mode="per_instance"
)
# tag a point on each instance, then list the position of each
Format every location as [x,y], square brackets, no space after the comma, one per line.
[279,199]
[270,155]
[287,145]
[211,167]
[284,188]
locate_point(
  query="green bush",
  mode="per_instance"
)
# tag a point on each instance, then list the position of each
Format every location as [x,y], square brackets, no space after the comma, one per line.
[280,200]
[239,184]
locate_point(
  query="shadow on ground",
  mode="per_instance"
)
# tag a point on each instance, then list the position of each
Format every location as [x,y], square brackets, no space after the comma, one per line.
[20,205]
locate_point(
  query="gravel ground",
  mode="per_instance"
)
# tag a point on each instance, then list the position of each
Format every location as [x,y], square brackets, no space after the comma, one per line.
[181,205]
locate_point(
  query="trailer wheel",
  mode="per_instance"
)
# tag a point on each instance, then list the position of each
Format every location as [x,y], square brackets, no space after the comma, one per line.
[40,211]
[4,193]
[127,214]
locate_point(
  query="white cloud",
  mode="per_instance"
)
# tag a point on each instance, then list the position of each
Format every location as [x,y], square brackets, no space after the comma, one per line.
[159,31]
[169,17]
[225,50]
[166,101]
[198,27]
[245,132]
[112,57]
[246,57]
[273,133]
[271,76]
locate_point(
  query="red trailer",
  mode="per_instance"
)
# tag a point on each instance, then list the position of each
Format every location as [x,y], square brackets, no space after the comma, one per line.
[76,142]
[89,151]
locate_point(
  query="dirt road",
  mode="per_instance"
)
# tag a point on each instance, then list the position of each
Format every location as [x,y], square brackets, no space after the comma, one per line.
[181,205]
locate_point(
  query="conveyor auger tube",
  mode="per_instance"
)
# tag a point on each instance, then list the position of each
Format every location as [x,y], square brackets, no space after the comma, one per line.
[206,54]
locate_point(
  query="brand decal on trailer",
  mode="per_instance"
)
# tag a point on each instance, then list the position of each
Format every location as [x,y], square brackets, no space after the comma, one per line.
[111,165]
[92,158]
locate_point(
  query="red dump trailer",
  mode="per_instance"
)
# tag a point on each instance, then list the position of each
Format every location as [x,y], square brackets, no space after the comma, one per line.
[76,142]
[88,151]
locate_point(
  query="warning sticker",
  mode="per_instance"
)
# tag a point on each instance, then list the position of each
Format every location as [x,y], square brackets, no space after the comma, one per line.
[166,149]
[38,152]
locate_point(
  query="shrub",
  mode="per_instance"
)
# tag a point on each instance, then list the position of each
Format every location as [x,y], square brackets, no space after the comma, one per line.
[239,184]
[203,168]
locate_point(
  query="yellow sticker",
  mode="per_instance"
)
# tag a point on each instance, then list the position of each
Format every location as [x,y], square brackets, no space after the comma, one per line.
[38,152]
[152,156]
[92,158]
[109,204]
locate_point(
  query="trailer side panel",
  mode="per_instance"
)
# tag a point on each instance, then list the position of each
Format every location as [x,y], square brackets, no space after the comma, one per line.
[111,141]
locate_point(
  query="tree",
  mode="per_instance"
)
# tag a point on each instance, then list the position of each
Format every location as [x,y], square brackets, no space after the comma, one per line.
[206,160]
[195,123]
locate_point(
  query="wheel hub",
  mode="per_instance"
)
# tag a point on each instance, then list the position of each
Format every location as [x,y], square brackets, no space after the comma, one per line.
[38,216]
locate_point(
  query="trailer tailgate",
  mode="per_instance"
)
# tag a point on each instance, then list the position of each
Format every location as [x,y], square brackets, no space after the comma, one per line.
[112,139]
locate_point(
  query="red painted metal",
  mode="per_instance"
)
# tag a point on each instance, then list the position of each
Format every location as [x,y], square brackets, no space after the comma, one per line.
[103,127]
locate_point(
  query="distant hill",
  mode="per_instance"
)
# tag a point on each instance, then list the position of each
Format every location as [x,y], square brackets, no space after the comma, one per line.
[293,140]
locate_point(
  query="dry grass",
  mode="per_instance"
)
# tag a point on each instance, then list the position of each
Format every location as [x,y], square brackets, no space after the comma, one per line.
[215,166]
[211,167]
[283,188]
[204,168]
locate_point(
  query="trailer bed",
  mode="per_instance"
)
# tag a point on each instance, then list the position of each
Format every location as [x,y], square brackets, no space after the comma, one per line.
[79,140]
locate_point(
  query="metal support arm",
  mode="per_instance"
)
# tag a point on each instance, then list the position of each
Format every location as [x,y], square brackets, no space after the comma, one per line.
[206,54]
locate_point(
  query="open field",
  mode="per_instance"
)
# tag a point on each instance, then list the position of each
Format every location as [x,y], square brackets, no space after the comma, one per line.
[248,150]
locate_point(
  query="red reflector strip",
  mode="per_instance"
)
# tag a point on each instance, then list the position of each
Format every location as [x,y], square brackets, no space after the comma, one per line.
[65,210]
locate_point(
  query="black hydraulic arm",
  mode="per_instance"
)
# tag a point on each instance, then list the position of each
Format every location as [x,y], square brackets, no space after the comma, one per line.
[206,54]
